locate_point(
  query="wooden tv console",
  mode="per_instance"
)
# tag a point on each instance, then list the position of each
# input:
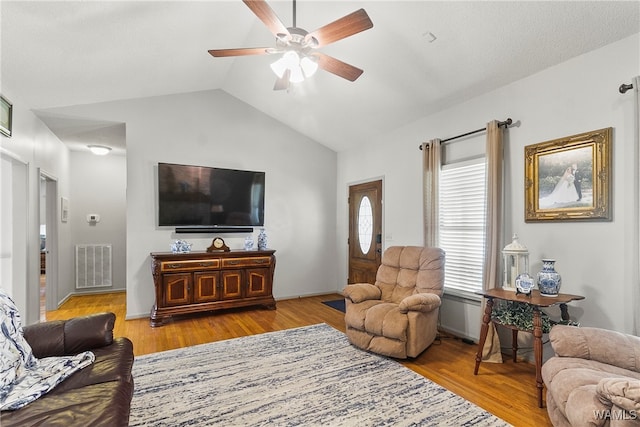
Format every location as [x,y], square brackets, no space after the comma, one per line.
[204,281]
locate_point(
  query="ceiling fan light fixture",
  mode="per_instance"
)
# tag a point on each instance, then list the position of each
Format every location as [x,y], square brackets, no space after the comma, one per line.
[99,150]
[309,66]
[279,67]
[296,74]
[290,60]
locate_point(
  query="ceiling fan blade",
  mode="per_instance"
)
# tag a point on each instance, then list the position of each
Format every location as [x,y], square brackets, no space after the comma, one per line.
[264,12]
[337,67]
[220,53]
[283,82]
[342,28]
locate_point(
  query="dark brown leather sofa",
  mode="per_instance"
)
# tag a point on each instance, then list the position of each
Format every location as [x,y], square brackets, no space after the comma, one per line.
[98,395]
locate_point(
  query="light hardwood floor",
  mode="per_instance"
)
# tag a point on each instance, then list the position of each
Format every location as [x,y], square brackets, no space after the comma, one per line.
[506,390]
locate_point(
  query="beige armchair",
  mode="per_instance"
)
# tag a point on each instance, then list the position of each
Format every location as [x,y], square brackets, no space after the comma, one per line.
[594,377]
[398,315]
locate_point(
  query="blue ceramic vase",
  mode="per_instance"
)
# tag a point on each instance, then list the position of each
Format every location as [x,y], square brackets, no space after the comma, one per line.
[262,240]
[549,279]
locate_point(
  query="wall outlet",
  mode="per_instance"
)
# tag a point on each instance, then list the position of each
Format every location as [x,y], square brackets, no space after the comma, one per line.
[93,218]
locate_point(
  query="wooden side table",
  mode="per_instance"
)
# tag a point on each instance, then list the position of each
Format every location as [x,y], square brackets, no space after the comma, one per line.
[536,301]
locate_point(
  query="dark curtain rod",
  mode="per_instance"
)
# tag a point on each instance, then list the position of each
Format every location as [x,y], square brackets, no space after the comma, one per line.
[505,123]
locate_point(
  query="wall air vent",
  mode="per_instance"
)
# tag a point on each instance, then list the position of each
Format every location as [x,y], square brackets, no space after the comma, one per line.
[93,266]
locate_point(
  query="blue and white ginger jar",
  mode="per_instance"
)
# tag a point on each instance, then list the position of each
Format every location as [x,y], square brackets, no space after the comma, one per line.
[262,240]
[549,279]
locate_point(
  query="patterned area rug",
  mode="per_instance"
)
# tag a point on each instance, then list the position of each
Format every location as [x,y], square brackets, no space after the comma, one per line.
[307,376]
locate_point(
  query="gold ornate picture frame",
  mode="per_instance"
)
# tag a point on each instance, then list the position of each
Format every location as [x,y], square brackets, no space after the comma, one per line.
[569,179]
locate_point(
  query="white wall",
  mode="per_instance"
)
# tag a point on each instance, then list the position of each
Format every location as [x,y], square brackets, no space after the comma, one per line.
[595,259]
[13,228]
[99,186]
[214,129]
[34,145]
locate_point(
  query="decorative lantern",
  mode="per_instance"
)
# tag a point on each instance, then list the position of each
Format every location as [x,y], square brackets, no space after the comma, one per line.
[516,262]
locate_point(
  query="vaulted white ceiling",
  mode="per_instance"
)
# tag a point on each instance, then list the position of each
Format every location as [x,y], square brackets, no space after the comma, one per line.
[58,54]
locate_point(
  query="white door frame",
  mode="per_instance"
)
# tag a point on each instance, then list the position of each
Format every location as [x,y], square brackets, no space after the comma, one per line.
[14,230]
[51,221]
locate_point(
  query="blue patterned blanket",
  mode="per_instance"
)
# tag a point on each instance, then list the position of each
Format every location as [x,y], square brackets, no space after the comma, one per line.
[23,377]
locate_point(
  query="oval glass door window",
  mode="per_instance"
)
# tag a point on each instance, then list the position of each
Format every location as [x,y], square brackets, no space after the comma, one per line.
[365,224]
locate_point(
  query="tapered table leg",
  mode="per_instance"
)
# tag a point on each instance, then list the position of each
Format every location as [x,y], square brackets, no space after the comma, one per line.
[537,350]
[484,329]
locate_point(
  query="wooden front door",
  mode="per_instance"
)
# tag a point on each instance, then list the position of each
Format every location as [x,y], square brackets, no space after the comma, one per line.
[365,231]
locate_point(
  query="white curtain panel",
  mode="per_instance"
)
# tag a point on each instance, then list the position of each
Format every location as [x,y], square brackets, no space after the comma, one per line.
[431,164]
[493,231]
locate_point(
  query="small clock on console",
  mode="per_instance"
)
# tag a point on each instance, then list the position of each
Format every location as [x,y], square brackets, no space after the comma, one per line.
[218,244]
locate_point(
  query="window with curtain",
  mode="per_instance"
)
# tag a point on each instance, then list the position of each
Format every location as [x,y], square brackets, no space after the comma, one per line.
[462,217]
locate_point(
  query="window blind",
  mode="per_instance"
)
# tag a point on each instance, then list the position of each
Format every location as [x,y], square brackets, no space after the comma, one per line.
[462,220]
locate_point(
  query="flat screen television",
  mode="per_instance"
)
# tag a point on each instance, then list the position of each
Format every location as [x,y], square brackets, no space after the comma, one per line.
[201,196]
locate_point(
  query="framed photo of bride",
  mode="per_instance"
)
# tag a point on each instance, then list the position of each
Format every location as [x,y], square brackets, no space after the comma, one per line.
[569,179]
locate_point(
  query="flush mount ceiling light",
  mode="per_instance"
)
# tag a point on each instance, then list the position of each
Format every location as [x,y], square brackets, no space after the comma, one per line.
[299,57]
[99,150]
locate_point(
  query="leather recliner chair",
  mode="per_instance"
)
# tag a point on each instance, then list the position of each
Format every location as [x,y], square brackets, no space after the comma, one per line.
[99,394]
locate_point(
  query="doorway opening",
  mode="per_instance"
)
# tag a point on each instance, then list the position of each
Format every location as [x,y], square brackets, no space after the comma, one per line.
[48,243]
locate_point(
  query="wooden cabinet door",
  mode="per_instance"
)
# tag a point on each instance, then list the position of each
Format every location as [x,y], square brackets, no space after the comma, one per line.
[232,284]
[206,286]
[176,287]
[258,282]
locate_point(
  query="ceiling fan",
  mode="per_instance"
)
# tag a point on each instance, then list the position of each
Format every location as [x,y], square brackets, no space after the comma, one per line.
[300,57]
